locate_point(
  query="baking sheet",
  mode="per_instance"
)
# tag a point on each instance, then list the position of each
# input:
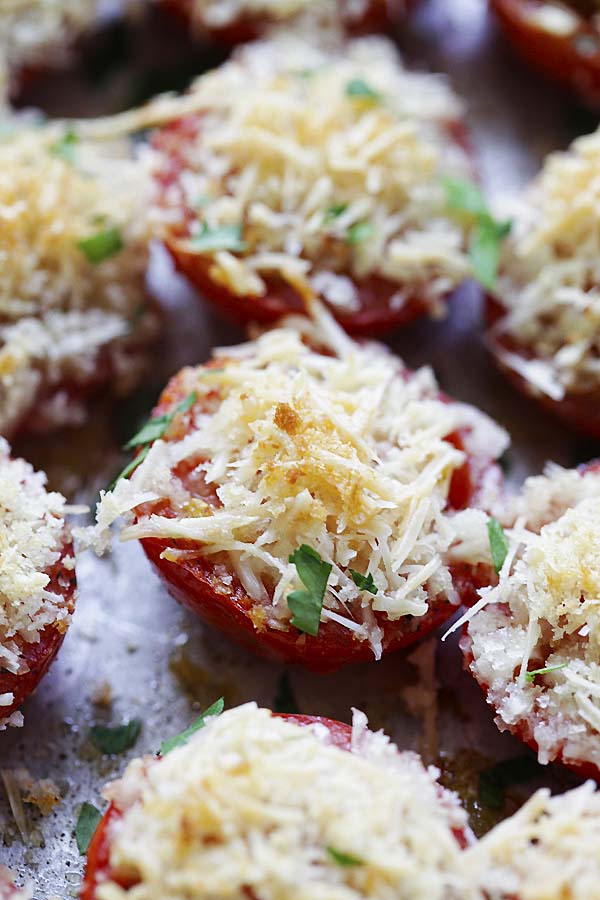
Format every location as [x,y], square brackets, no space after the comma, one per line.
[160,663]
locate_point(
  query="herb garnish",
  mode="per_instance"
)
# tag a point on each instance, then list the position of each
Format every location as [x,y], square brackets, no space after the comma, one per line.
[344,859]
[530,676]
[102,245]
[363,582]
[226,237]
[487,234]
[335,210]
[498,543]
[361,90]
[65,146]
[285,699]
[180,739]
[87,822]
[306,605]
[116,739]
[494,781]
[359,232]
[151,431]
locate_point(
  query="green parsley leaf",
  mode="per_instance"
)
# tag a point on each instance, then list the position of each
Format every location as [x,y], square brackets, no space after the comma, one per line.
[334,211]
[487,235]
[66,146]
[465,197]
[87,822]
[494,781]
[530,676]
[154,429]
[363,582]
[344,859]
[484,249]
[498,543]
[151,431]
[226,237]
[306,605]
[285,699]
[180,739]
[359,89]
[102,245]
[116,739]
[359,232]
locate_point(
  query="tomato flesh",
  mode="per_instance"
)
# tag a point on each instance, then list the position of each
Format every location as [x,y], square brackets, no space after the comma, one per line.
[572,60]
[197,584]
[39,656]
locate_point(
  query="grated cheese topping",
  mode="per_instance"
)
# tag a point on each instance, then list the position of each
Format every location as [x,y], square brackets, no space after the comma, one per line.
[344,452]
[251,804]
[544,613]
[63,316]
[550,279]
[33,536]
[327,166]
[548,850]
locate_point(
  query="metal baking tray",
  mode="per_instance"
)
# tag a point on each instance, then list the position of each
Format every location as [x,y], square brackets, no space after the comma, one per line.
[130,642]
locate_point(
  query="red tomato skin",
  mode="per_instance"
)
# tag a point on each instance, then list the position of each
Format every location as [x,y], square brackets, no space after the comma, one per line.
[195,584]
[581,412]
[40,656]
[554,56]
[97,868]
[375,315]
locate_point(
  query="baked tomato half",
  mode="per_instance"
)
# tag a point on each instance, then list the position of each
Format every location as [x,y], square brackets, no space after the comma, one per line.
[244,21]
[532,642]
[559,39]
[342,481]
[270,743]
[264,212]
[38,580]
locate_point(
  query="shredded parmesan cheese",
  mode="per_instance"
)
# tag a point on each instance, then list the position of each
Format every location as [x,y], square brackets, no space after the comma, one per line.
[63,316]
[330,165]
[32,539]
[550,282]
[345,452]
[256,806]
[546,851]
[545,613]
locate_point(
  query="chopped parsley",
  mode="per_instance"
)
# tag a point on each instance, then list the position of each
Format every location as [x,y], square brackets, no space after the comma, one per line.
[285,699]
[344,859]
[494,781]
[359,232]
[226,237]
[65,147]
[498,543]
[306,605]
[487,234]
[102,245]
[530,676]
[363,582]
[180,739]
[87,822]
[335,211]
[360,89]
[151,431]
[116,739]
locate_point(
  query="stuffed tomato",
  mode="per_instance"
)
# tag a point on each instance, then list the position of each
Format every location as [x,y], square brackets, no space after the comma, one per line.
[74,317]
[37,574]
[299,173]
[544,317]
[311,503]
[244,20]
[559,38]
[258,805]
[532,641]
